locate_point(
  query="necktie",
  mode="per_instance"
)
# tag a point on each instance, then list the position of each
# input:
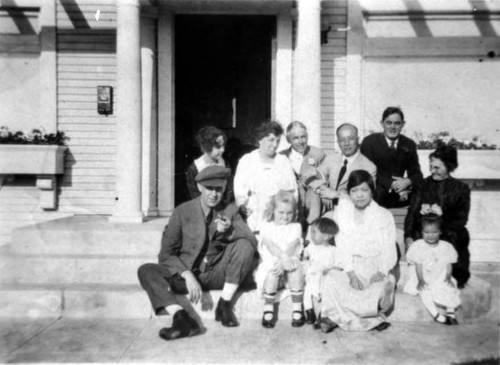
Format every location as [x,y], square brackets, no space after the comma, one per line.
[393,145]
[342,171]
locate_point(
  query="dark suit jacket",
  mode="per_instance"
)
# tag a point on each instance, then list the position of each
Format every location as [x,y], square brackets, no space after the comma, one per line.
[313,157]
[184,236]
[390,163]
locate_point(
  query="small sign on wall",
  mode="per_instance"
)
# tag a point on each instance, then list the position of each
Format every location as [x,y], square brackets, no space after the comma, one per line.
[105,100]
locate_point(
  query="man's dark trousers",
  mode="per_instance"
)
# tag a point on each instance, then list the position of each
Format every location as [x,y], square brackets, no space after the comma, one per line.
[234,266]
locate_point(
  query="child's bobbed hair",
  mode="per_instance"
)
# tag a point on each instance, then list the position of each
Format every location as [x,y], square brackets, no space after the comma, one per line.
[431,219]
[282,196]
[326,226]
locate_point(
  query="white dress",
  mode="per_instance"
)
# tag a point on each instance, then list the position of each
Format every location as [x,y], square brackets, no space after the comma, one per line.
[255,182]
[282,235]
[434,260]
[318,259]
[366,243]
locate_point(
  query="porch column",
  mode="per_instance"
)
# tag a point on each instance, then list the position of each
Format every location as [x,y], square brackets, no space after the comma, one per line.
[307,69]
[129,113]
[149,117]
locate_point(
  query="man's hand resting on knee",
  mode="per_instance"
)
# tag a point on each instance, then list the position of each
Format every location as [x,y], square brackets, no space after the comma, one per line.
[193,286]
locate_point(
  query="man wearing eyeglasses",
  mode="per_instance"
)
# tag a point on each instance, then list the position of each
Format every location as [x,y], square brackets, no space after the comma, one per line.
[395,156]
[336,167]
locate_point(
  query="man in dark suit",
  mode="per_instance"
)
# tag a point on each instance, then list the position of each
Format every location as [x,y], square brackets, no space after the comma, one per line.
[304,160]
[206,245]
[394,155]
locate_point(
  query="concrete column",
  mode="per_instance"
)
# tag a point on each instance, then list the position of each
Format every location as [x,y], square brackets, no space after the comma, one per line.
[354,66]
[307,69]
[129,113]
[166,125]
[284,65]
[149,117]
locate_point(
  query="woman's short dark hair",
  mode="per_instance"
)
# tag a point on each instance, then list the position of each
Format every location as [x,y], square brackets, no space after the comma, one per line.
[266,128]
[447,154]
[326,226]
[392,110]
[431,219]
[357,177]
[207,138]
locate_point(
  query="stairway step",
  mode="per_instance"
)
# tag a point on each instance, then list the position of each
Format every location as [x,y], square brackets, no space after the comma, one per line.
[89,235]
[130,301]
[68,269]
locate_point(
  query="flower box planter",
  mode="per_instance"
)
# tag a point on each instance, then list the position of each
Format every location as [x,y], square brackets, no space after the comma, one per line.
[472,164]
[44,161]
[31,159]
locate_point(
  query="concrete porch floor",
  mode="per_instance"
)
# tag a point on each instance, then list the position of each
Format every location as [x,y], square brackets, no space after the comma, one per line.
[98,340]
[136,341]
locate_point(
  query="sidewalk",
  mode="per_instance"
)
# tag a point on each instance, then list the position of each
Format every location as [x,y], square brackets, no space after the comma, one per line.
[67,340]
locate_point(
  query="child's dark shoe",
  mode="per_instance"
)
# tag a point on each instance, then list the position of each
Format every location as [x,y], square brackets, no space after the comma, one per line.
[310,316]
[268,319]
[453,321]
[441,319]
[298,319]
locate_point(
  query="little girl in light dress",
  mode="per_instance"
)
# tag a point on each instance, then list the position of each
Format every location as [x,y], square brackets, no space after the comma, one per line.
[280,248]
[318,258]
[431,278]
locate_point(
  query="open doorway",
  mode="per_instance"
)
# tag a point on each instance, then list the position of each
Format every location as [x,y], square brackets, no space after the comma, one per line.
[222,78]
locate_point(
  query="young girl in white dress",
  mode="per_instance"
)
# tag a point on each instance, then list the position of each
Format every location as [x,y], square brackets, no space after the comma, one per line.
[318,258]
[280,248]
[432,279]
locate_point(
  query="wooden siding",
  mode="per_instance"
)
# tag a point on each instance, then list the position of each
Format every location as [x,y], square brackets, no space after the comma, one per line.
[86,58]
[333,71]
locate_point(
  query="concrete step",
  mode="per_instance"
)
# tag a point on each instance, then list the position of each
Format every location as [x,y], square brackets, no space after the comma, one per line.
[130,301]
[89,235]
[70,269]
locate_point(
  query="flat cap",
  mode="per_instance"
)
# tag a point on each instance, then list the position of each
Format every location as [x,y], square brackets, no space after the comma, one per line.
[213,176]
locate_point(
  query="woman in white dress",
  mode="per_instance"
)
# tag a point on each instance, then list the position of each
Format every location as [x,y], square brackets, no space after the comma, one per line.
[358,297]
[261,174]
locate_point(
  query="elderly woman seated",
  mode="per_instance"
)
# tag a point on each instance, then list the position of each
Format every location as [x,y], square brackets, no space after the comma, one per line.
[449,198]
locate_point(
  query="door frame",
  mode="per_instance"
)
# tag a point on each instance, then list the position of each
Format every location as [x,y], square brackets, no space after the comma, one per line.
[282,68]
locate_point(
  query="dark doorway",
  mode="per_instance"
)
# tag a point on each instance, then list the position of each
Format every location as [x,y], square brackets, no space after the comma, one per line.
[222,78]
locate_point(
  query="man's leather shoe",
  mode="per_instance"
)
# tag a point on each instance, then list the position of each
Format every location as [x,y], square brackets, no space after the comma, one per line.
[224,313]
[183,325]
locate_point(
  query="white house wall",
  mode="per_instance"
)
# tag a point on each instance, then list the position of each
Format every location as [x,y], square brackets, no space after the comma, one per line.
[86,58]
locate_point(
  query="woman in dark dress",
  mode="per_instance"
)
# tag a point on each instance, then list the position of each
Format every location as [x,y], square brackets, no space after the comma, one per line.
[449,198]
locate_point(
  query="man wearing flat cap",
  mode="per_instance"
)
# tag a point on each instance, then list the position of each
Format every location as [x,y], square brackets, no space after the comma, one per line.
[206,245]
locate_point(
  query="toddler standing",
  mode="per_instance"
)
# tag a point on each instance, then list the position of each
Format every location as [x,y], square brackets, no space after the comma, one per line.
[280,248]
[319,258]
[432,276]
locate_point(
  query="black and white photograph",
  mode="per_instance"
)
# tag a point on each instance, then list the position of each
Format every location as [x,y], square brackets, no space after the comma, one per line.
[250,182]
